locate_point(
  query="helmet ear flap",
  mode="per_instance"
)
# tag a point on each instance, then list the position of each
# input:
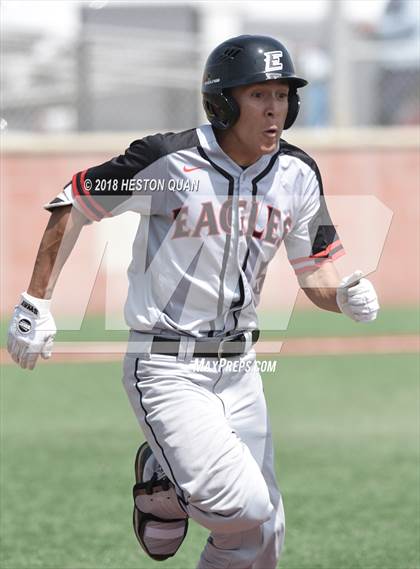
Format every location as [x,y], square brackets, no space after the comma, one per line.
[294,105]
[221,109]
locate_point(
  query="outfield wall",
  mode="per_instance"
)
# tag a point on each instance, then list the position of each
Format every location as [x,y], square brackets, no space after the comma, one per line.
[384,164]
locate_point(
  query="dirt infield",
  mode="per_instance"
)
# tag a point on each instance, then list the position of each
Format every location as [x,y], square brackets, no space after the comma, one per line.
[113,351]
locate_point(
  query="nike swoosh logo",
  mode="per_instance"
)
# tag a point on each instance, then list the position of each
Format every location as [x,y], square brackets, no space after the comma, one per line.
[186,169]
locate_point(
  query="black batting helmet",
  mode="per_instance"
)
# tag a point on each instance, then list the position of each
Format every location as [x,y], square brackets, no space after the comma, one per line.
[245,60]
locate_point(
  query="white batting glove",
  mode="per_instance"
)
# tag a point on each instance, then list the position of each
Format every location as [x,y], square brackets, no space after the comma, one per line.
[357,298]
[31,331]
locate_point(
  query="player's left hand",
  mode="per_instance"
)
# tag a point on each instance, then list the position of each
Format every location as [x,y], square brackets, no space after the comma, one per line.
[357,298]
[31,331]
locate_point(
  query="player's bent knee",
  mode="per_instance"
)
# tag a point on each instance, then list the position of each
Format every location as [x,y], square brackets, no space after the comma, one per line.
[234,516]
[257,510]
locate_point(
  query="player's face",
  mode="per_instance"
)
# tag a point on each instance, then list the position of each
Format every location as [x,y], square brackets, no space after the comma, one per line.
[263,111]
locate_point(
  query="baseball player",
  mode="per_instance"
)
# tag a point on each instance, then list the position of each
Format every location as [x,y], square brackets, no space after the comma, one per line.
[215,204]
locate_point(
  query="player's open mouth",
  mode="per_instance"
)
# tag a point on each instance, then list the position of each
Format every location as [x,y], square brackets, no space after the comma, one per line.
[271,132]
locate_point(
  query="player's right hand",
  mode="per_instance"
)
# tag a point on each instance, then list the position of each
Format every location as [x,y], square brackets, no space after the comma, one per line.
[31,331]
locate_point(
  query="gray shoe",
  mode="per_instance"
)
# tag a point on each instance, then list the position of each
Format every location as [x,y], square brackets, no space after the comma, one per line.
[160,524]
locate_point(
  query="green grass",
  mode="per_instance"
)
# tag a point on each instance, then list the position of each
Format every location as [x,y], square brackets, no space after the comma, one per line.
[396,320]
[345,432]
[311,323]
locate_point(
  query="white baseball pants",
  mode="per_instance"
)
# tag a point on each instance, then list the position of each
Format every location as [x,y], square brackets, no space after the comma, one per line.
[210,432]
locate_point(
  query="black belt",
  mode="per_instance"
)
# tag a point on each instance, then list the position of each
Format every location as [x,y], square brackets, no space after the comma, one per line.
[226,347]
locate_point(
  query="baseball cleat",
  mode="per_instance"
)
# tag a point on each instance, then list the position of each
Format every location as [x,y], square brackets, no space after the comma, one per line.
[160,524]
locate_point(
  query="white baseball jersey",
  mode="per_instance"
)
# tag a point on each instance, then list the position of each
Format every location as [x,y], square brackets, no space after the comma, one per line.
[208,228]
